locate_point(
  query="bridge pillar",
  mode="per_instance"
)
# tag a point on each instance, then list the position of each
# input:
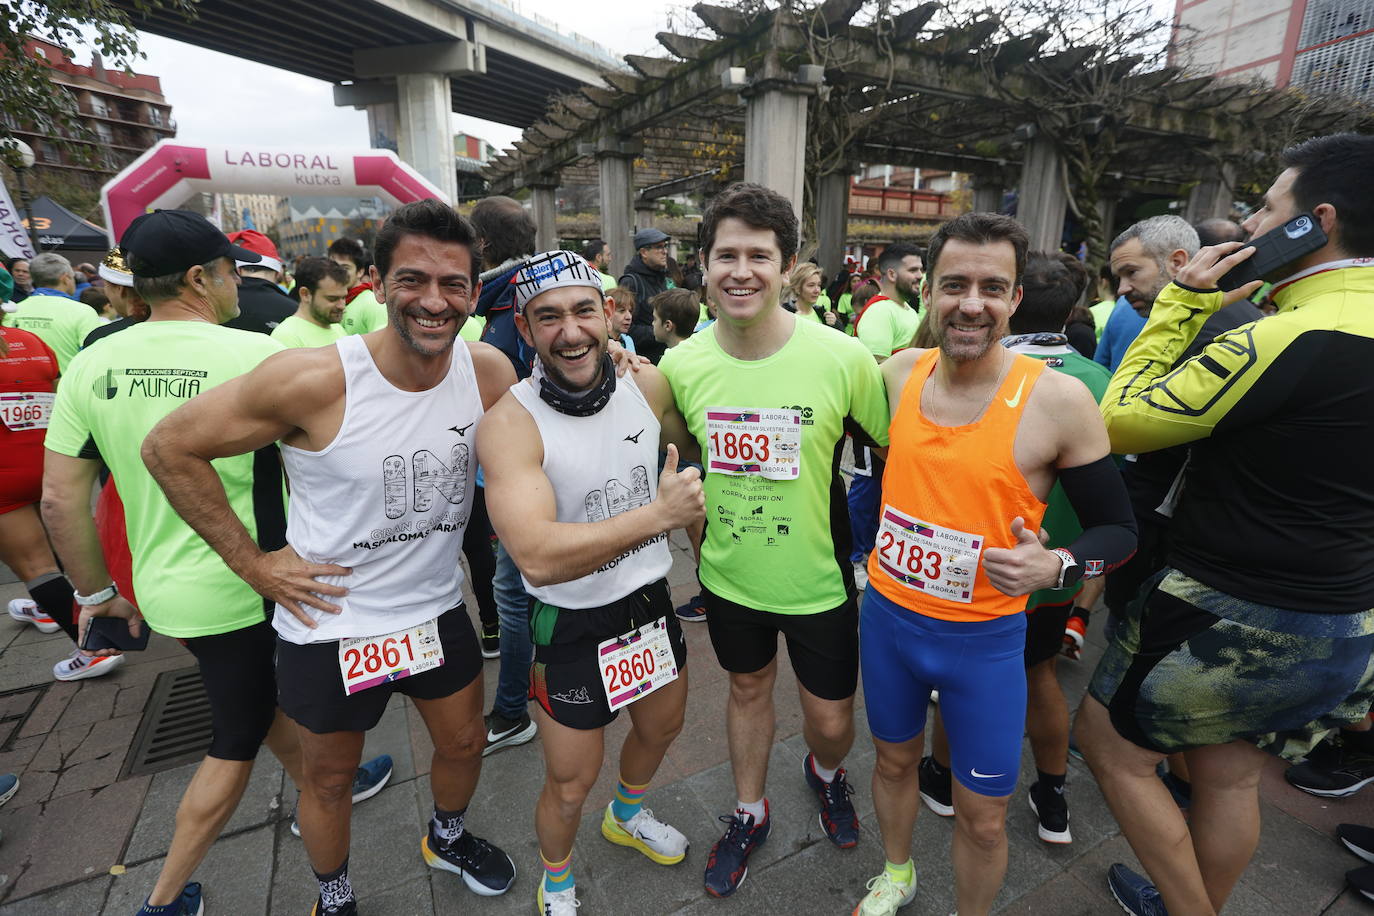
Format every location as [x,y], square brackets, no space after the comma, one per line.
[1211,198]
[987,193]
[616,184]
[425,106]
[1043,199]
[383,126]
[545,206]
[832,221]
[775,140]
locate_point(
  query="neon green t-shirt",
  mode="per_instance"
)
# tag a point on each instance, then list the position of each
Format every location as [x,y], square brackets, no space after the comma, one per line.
[1101,312]
[472,328]
[887,326]
[115,393]
[769,542]
[364,314]
[607,281]
[295,331]
[59,322]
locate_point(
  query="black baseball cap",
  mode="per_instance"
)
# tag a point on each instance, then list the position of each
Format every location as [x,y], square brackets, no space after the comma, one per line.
[172,241]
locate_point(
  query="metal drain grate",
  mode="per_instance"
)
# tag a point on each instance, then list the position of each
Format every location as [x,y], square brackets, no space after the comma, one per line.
[176,726]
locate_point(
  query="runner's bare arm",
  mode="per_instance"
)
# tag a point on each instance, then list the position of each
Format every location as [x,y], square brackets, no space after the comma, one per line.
[273,401]
[523,509]
[659,393]
[493,370]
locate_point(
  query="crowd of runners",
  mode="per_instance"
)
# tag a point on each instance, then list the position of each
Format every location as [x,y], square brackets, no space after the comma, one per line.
[454,392]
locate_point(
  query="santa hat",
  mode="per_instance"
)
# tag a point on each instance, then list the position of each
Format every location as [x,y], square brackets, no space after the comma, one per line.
[257,243]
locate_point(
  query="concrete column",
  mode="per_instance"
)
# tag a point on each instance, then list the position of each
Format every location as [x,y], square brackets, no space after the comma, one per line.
[987,193]
[545,214]
[645,211]
[425,103]
[1043,199]
[1212,197]
[775,142]
[383,126]
[832,221]
[616,174]
[1106,211]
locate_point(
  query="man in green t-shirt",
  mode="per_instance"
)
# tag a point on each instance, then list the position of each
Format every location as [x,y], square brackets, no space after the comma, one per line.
[363,313]
[1052,284]
[889,320]
[111,396]
[321,288]
[52,311]
[598,254]
[769,399]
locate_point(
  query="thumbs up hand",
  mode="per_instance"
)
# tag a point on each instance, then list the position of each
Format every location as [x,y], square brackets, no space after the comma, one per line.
[1024,568]
[681,500]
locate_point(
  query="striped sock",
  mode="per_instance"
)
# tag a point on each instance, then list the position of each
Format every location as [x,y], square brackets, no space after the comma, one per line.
[628,800]
[558,876]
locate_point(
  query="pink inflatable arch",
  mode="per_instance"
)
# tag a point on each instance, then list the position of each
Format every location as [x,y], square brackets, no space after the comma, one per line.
[170,172]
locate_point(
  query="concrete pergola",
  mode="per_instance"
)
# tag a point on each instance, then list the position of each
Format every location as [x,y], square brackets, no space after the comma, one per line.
[737,106]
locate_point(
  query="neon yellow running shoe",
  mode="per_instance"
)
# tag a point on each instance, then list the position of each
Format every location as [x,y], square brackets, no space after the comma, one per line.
[885,896]
[663,844]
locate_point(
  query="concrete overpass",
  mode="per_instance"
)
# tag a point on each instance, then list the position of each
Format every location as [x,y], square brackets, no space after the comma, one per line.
[409,63]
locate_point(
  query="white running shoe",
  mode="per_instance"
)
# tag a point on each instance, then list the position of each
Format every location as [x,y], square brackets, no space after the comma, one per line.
[661,843]
[78,667]
[557,903]
[26,611]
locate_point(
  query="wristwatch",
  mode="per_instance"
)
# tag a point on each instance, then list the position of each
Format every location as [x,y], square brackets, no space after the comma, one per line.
[105,594]
[1070,570]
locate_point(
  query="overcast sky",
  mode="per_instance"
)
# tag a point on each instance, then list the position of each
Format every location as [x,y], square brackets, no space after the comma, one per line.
[274,107]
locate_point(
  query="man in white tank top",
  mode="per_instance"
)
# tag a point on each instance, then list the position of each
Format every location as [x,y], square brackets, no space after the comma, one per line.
[377,438]
[570,457]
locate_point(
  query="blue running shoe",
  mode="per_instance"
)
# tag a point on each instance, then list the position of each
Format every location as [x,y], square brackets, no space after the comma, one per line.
[369,780]
[693,610]
[728,864]
[190,903]
[9,784]
[837,817]
[1135,894]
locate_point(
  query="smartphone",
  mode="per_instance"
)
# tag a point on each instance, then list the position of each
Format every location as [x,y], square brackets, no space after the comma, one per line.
[113,633]
[1275,250]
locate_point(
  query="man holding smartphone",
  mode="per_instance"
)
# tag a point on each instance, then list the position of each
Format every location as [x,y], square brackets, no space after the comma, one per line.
[1260,631]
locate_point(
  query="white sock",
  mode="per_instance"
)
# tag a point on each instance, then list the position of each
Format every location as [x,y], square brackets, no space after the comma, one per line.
[755,808]
[827,776]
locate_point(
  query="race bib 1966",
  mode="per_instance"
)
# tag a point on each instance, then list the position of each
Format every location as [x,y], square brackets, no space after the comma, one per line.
[757,441]
[26,409]
[939,561]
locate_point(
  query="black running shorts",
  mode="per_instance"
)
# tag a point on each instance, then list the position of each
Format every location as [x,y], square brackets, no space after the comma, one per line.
[1045,631]
[311,688]
[236,668]
[823,647]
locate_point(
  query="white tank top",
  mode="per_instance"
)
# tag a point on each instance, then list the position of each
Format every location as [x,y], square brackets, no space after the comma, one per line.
[600,466]
[389,498]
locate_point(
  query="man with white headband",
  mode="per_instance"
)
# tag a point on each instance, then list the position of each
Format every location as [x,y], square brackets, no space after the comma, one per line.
[569,455]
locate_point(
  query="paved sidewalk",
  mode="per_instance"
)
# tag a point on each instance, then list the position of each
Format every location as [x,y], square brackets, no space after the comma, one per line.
[77,840]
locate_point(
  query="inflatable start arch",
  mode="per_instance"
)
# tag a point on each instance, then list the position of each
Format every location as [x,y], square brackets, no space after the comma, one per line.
[170,172]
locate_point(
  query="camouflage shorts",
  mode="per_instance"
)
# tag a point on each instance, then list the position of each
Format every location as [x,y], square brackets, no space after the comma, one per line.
[1194,667]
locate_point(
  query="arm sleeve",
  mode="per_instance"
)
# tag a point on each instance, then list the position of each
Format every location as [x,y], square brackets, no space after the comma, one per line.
[1098,496]
[1150,406]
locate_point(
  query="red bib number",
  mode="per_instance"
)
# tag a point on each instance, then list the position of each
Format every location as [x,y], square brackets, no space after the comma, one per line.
[366,661]
[26,409]
[755,441]
[636,663]
[940,562]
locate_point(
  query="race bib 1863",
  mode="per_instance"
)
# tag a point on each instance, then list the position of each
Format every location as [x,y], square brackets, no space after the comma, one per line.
[939,561]
[754,441]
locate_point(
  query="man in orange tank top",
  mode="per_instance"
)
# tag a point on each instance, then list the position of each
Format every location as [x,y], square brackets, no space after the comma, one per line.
[979,437]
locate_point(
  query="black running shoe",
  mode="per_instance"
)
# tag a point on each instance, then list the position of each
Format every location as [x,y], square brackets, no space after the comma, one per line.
[728,864]
[1362,879]
[485,869]
[1358,839]
[503,732]
[937,787]
[1334,769]
[348,909]
[1052,812]
[837,817]
[491,640]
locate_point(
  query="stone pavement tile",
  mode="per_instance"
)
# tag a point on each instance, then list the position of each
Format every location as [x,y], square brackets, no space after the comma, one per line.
[54,703]
[413,898]
[1063,895]
[1350,903]
[820,879]
[17,758]
[262,804]
[68,839]
[82,897]
[1090,869]
[84,757]
[1321,814]
[1296,867]
[236,877]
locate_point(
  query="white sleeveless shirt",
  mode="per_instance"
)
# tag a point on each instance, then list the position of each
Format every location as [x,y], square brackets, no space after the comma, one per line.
[601,465]
[388,498]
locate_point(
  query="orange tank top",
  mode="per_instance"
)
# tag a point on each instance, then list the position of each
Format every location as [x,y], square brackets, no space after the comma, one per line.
[949,493]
